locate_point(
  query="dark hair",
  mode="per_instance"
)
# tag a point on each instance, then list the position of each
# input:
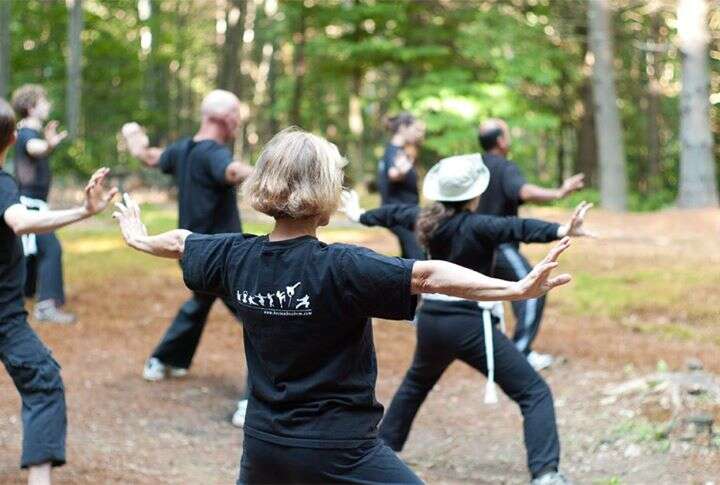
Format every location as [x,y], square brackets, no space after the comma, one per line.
[26,97]
[7,124]
[432,216]
[489,138]
[393,123]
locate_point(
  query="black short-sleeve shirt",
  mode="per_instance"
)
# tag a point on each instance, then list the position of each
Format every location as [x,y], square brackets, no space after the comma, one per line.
[33,174]
[12,264]
[404,191]
[502,197]
[207,204]
[305,308]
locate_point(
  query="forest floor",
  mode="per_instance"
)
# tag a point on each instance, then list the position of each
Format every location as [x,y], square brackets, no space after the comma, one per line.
[644,299]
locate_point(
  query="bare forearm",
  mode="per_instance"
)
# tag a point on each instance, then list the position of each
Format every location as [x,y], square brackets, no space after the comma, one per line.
[237,172]
[150,156]
[24,221]
[534,193]
[169,244]
[453,280]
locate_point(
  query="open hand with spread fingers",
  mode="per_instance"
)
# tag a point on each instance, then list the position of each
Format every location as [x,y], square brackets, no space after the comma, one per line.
[575,227]
[52,136]
[128,217]
[350,205]
[97,196]
[538,281]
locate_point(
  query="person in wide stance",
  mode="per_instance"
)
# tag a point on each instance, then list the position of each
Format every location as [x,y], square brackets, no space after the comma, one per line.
[206,177]
[306,309]
[34,371]
[451,328]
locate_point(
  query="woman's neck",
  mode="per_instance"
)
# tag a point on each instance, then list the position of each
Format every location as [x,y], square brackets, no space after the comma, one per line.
[397,140]
[287,228]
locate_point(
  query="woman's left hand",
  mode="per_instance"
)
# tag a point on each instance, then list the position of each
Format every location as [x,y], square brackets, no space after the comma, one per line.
[350,205]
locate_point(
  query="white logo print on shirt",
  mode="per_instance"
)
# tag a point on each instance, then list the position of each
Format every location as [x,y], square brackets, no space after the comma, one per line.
[278,302]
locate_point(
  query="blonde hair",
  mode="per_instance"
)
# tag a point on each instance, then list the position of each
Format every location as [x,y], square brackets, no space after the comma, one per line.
[26,97]
[297,175]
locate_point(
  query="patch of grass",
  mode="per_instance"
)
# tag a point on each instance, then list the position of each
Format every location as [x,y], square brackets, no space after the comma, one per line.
[643,431]
[608,481]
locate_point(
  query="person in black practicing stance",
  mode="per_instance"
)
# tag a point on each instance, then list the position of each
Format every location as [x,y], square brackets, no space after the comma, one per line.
[306,308]
[206,177]
[455,328]
[398,177]
[508,189]
[34,372]
[35,143]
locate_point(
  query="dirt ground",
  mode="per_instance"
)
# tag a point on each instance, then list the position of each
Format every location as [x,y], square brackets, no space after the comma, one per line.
[645,296]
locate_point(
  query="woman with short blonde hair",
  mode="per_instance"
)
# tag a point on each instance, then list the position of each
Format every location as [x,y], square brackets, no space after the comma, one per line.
[306,306]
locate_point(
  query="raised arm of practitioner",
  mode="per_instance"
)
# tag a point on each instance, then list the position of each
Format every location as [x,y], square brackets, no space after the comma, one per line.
[495,229]
[220,120]
[97,197]
[427,276]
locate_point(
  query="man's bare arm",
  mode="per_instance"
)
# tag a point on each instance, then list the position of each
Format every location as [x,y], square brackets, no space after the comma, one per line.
[237,172]
[138,144]
[534,193]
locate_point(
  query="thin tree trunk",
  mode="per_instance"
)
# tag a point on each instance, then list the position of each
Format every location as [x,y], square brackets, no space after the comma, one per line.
[651,171]
[698,183]
[587,152]
[298,69]
[230,52]
[5,48]
[611,150]
[73,91]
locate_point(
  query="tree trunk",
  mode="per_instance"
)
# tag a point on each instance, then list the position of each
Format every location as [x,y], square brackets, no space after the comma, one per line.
[74,68]
[611,151]
[229,74]
[587,152]
[299,69]
[698,185]
[654,113]
[5,49]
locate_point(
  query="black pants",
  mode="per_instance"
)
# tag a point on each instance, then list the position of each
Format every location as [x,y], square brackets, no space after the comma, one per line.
[44,270]
[178,345]
[37,378]
[409,245]
[449,331]
[264,462]
[512,266]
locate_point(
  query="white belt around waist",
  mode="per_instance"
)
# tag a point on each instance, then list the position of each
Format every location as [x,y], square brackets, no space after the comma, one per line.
[490,309]
[29,241]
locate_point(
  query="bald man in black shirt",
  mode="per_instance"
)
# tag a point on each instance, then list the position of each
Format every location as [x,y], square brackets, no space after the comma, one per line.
[508,189]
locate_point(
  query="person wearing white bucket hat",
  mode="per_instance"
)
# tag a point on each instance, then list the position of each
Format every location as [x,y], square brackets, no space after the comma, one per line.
[508,189]
[454,328]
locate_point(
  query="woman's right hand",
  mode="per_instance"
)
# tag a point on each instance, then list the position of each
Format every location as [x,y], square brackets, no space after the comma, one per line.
[538,281]
[350,205]
[128,217]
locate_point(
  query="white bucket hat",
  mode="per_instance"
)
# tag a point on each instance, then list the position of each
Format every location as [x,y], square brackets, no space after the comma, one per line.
[458,178]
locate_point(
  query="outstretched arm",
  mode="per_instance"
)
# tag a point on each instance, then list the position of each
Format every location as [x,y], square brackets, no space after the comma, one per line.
[534,193]
[42,147]
[24,221]
[138,144]
[451,279]
[237,172]
[170,244]
[389,216]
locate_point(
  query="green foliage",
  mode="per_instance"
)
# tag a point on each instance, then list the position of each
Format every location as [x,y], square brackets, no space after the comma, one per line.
[453,63]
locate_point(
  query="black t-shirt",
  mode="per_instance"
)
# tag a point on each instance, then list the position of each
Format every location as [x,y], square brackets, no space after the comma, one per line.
[467,239]
[404,191]
[305,308]
[12,265]
[33,174]
[502,197]
[206,203]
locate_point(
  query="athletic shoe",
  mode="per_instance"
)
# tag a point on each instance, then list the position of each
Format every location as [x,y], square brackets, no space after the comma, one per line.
[47,312]
[238,419]
[552,478]
[155,370]
[540,361]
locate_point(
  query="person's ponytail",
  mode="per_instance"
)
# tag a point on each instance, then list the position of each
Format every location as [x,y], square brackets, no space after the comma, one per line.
[431,217]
